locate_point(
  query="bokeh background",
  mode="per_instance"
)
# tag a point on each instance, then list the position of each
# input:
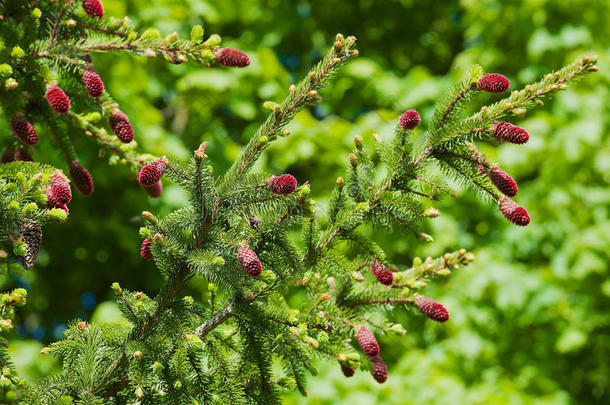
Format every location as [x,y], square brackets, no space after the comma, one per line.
[530,318]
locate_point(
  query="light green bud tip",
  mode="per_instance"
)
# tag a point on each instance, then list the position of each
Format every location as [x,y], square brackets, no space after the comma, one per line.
[36,13]
[145,232]
[270,105]
[197,33]
[57,215]
[263,139]
[213,40]
[218,261]
[29,208]
[16,269]
[17,52]
[5,69]
[150,34]
[20,249]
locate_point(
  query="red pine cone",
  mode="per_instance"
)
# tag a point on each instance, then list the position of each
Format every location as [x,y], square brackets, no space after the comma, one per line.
[284,184]
[145,250]
[121,126]
[81,178]
[347,370]
[494,83]
[232,57]
[409,119]
[94,8]
[382,273]
[152,172]
[367,342]
[380,370]
[24,130]
[431,309]
[503,181]
[510,133]
[51,200]
[22,155]
[155,190]
[249,261]
[57,99]
[513,212]
[93,82]
[60,188]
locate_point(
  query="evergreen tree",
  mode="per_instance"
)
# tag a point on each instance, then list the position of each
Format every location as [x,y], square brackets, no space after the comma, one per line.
[238,231]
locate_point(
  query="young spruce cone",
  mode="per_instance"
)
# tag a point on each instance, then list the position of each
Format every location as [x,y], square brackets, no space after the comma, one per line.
[347,370]
[94,8]
[57,99]
[121,126]
[93,82]
[380,370]
[155,190]
[510,133]
[494,83]
[18,155]
[382,273]
[431,309]
[24,130]
[503,181]
[31,234]
[145,250]
[249,261]
[513,212]
[284,184]
[81,178]
[232,57]
[60,189]
[409,119]
[367,342]
[152,172]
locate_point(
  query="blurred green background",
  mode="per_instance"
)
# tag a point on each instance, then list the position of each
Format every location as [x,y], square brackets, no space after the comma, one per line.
[530,319]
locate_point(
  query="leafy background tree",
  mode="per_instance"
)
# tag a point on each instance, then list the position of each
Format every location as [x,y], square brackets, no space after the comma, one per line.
[530,320]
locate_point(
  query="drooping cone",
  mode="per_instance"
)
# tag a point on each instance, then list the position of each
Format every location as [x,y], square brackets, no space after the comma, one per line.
[409,119]
[60,188]
[347,370]
[57,99]
[81,178]
[249,261]
[93,82]
[284,184]
[367,342]
[155,190]
[232,57]
[22,155]
[494,83]
[503,181]
[514,212]
[121,126]
[94,8]
[510,133]
[379,370]
[431,309]
[31,234]
[152,172]
[24,130]
[382,273]
[145,250]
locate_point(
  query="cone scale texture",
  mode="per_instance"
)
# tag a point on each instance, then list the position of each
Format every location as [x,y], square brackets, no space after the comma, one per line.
[152,172]
[232,57]
[93,8]
[145,252]
[431,309]
[121,126]
[382,273]
[514,212]
[380,370]
[24,130]
[31,234]
[81,178]
[493,83]
[367,342]
[503,181]
[409,119]
[154,190]
[510,133]
[60,188]
[57,99]
[284,184]
[93,82]
[249,261]
[347,370]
